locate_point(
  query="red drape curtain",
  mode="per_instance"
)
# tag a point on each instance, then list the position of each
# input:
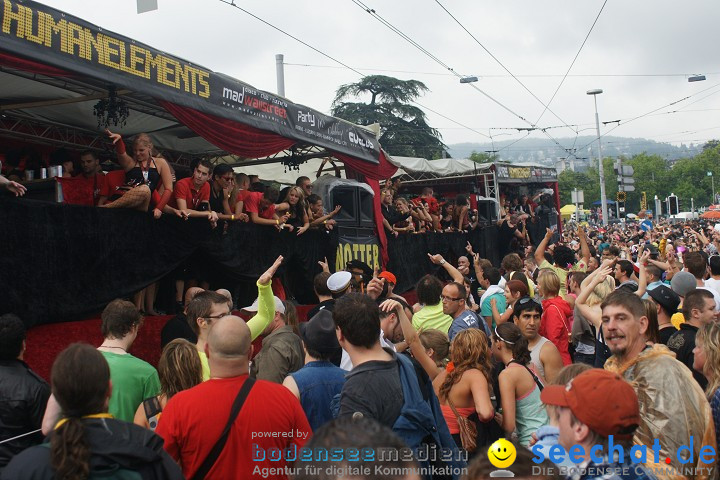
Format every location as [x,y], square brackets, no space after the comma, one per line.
[8,60]
[373,174]
[235,137]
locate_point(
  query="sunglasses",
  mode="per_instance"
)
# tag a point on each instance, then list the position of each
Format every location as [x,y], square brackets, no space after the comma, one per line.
[525,300]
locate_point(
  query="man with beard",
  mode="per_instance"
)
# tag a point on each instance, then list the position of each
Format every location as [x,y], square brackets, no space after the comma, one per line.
[543,353]
[673,408]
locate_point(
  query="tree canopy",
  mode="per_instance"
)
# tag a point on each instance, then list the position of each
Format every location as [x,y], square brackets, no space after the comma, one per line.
[688,179]
[404,129]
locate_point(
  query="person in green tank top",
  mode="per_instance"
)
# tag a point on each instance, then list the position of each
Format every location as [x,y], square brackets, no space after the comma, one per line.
[522,410]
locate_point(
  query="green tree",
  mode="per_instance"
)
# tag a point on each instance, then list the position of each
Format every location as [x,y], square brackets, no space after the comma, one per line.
[482,157]
[404,129]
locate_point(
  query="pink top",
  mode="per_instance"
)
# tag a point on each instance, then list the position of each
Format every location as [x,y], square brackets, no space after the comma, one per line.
[450,418]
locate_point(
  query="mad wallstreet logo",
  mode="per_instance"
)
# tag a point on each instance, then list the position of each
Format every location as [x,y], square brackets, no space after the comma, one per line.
[249,98]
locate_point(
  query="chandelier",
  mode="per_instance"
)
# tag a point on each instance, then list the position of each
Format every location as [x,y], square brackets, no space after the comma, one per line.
[294,161]
[112,109]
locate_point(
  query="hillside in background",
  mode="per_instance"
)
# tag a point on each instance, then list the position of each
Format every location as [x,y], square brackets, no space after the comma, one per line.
[545,151]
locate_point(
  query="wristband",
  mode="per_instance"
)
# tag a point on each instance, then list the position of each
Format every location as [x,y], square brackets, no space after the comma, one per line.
[232,217]
[442,262]
[120,147]
[324,222]
[277,221]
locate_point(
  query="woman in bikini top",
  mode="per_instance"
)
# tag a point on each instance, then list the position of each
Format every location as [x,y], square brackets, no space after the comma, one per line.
[143,170]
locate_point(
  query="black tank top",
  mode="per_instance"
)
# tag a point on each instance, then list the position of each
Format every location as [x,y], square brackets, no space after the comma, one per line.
[137,176]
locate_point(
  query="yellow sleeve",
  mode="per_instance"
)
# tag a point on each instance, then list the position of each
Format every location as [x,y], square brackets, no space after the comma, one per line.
[266,311]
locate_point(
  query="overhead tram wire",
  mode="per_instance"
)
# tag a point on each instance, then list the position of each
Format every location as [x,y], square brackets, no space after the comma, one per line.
[583,75]
[547,106]
[379,18]
[233,4]
[574,59]
[623,123]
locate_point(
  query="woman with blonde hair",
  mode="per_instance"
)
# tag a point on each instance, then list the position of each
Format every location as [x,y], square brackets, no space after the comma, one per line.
[555,322]
[465,387]
[437,346]
[144,174]
[294,203]
[179,368]
[707,362]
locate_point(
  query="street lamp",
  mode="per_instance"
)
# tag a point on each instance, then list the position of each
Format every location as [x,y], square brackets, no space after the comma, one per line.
[603,199]
[471,79]
[696,78]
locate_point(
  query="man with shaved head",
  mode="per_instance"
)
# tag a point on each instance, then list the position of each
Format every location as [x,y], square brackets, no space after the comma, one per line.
[269,418]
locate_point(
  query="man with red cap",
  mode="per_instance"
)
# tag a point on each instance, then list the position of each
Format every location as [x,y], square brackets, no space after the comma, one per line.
[597,408]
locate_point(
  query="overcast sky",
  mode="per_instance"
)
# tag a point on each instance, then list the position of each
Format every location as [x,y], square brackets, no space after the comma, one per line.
[640,53]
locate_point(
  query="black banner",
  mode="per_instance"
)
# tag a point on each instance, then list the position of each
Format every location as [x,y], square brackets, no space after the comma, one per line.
[408,253]
[358,247]
[64,262]
[49,36]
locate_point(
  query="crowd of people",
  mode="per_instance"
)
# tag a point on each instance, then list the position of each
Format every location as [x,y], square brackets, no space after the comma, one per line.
[602,338]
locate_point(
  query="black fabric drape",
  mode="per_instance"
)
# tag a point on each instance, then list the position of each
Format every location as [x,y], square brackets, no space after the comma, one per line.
[63,262]
[408,253]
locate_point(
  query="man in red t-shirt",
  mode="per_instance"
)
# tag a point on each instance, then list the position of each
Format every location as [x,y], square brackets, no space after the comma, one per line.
[191,196]
[261,207]
[271,417]
[88,186]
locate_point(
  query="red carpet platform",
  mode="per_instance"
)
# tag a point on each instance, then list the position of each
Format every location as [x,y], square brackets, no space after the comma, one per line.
[44,342]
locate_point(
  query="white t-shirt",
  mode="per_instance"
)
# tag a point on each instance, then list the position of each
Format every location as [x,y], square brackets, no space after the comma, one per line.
[714,284]
[346,363]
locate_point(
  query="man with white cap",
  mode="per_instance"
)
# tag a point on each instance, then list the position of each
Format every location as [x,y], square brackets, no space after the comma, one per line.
[282,351]
[339,283]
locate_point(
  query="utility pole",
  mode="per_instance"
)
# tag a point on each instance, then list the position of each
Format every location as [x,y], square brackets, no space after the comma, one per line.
[280,71]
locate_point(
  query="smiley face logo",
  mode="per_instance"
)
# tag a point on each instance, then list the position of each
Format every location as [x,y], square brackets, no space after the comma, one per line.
[502,453]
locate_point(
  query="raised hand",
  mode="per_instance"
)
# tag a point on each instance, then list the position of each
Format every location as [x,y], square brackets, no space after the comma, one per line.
[266,277]
[437,259]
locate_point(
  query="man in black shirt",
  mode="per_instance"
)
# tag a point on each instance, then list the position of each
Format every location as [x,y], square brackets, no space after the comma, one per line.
[325,299]
[667,303]
[390,215]
[698,310]
[373,387]
[23,394]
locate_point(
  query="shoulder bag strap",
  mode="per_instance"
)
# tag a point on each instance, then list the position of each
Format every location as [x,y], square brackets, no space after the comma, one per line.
[220,444]
[452,406]
[562,317]
[537,380]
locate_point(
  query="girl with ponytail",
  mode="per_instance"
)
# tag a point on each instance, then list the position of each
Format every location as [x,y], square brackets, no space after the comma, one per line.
[87,441]
[522,410]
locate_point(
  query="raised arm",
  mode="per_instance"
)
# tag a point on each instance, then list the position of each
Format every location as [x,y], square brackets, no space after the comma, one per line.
[589,313]
[266,302]
[642,280]
[584,249]
[411,337]
[452,271]
[540,250]
[124,159]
